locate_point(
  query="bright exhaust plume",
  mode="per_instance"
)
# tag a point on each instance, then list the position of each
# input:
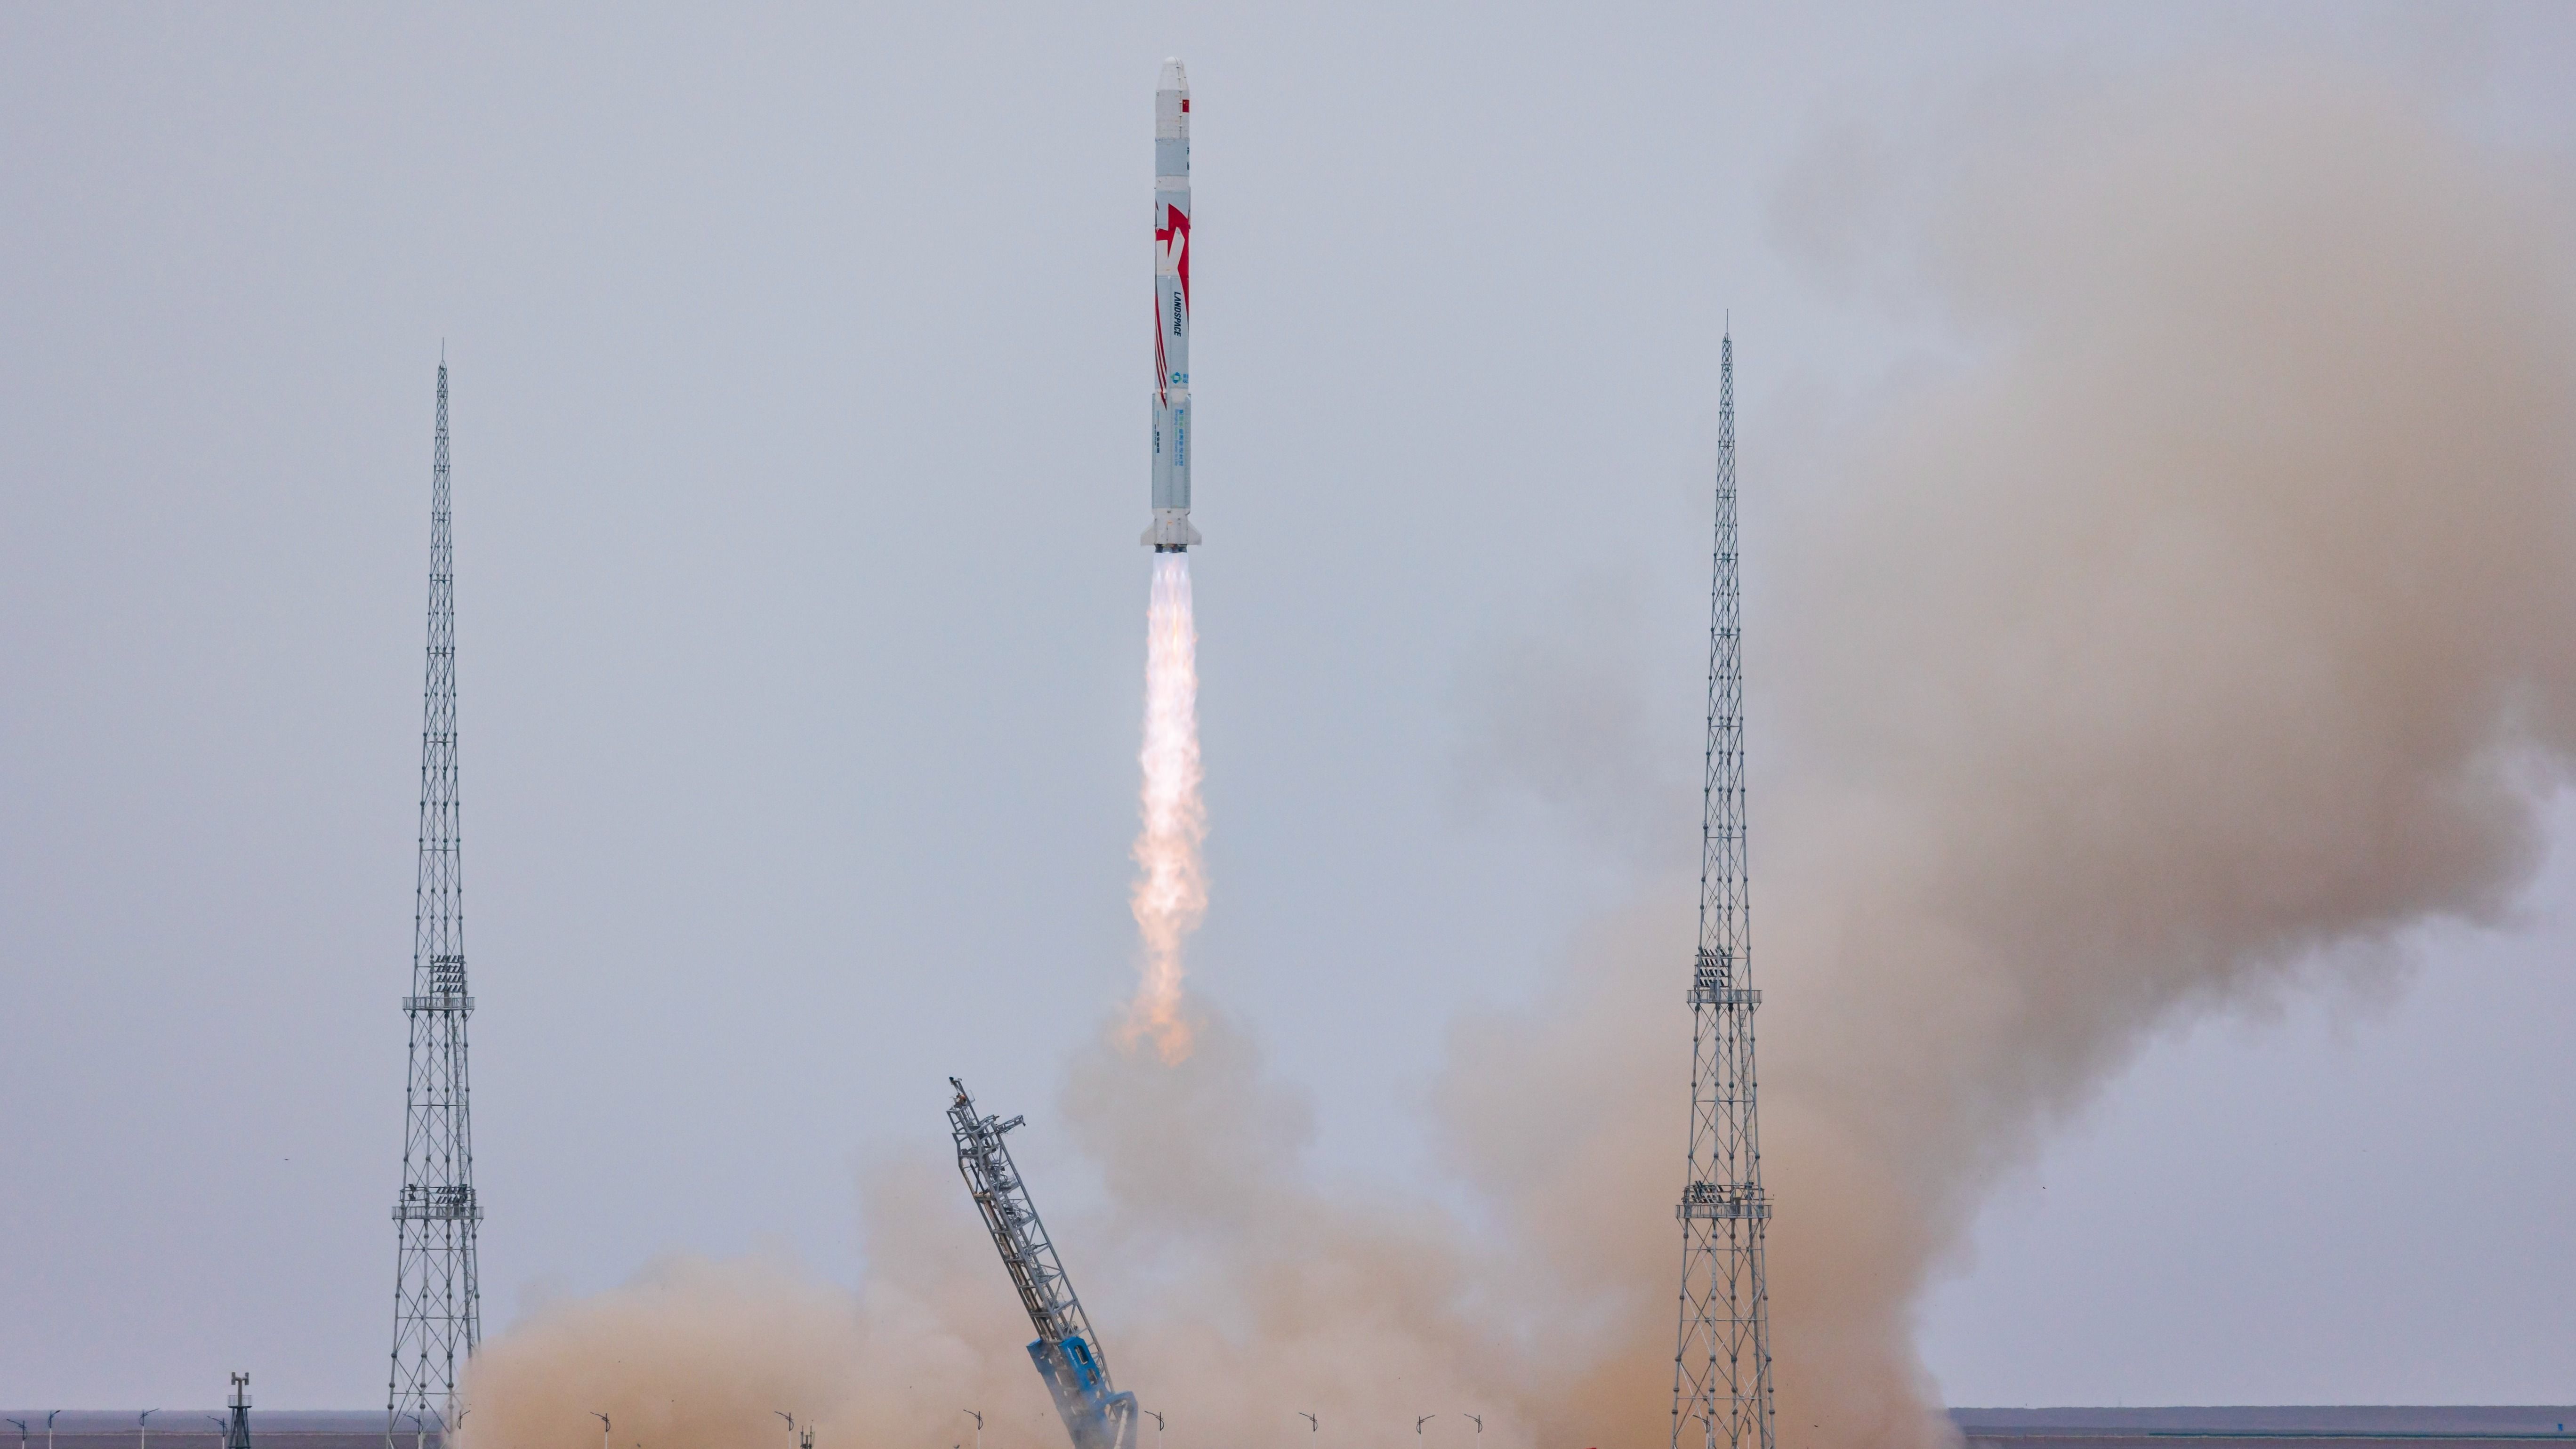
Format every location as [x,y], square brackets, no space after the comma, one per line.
[1170,897]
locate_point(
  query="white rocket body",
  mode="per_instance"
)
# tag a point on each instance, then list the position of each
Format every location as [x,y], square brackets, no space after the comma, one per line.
[1171,532]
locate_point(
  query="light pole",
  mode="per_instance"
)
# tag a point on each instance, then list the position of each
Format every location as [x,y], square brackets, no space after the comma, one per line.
[220,1426]
[1418,1423]
[603,1428]
[1311,1426]
[1158,1427]
[1479,1421]
[49,1429]
[783,1414]
[143,1436]
[978,1416]
[22,1430]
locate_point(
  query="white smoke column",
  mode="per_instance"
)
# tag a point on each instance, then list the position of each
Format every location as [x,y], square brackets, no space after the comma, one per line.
[1170,897]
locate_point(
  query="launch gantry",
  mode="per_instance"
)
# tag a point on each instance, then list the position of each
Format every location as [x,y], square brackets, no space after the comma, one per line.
[1066,1351]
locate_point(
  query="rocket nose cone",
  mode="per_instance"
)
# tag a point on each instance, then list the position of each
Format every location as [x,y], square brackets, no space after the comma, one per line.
[1174,77]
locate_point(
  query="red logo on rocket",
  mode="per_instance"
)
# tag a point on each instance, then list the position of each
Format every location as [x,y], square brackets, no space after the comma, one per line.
[1172,243]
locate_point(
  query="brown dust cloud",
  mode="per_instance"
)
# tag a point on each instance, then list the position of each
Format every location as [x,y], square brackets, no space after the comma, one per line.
[2207,623]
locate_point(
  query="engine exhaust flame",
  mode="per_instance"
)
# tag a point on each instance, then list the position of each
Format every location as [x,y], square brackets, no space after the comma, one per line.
[1170,897]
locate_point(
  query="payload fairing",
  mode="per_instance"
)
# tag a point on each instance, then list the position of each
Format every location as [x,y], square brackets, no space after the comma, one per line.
[1171,532]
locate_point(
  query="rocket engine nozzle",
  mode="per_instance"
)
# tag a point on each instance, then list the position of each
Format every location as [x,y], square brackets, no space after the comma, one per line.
[1171,532]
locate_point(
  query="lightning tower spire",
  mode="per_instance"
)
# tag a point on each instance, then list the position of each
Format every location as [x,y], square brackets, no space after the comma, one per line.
[1722,1366]
[438,1310]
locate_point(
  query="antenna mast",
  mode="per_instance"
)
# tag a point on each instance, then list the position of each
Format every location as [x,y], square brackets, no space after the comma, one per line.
[1722,1366]
[438,1308]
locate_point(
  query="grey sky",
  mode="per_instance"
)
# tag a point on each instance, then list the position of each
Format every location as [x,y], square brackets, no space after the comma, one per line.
[799,457]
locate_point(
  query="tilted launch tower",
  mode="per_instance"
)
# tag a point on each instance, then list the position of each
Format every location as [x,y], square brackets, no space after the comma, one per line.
[1066,1352]
[1722,1366]
[438,1311]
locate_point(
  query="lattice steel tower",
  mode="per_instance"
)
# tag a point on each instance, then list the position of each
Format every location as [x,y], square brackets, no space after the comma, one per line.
[1722,1367]
[438,1309]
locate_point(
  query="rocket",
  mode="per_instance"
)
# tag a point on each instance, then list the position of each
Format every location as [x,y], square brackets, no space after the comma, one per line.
[1171,532]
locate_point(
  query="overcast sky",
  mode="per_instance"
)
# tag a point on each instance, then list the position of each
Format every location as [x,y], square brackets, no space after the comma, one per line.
[799,409]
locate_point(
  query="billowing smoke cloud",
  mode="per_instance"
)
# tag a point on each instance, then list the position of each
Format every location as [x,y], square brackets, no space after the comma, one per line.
[2209,628]
[2205,628]
[2213,631]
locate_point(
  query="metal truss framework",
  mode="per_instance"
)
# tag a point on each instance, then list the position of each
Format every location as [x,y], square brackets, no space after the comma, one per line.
[1722,1363]
[1067,1353]
[438,1313]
